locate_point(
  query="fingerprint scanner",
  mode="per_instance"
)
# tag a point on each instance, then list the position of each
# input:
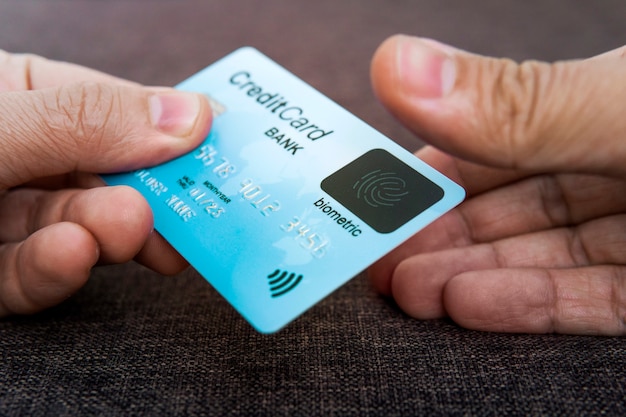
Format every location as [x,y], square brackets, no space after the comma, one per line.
[382,190]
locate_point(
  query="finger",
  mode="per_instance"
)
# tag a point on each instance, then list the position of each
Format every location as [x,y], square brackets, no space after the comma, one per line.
[526,204]
[419,282]
[96,128]
[574,301]
[446,232]
[475,178]
[540,203]
[534,204]
[451,229]
[532,116]
[119,218]
[158,255]
[45,269]
[30,72]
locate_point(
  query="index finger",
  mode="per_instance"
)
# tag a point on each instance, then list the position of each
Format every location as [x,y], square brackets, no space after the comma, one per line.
[474,178]
[451,229]
[31,72]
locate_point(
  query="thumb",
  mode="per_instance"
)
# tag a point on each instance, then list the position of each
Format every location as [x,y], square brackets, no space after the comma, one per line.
[95,127]
[566,116]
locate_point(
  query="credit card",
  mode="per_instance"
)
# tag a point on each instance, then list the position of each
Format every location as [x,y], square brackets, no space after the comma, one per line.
[289,196]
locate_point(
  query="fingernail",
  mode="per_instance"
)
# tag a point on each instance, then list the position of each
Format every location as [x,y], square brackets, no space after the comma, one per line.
[426,70]
[174,113]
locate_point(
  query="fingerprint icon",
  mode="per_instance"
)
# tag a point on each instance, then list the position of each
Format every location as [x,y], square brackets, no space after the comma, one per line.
[281,282]
[380,188]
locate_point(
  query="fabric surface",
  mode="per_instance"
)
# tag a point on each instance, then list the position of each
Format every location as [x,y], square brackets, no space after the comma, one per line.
[135,343]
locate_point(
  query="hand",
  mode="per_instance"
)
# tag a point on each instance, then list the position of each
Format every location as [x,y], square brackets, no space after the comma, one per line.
[540,243]
[60,124]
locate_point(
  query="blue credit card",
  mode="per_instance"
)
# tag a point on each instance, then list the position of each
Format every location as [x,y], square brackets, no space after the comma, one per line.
[289,196]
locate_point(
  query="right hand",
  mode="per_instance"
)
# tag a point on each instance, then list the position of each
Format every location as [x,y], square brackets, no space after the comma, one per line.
[60,125]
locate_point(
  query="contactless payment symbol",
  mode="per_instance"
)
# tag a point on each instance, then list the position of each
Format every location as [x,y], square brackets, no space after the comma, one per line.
[382,190]
[281,282]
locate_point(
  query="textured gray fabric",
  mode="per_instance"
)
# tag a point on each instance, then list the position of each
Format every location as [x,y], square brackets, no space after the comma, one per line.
[135,343]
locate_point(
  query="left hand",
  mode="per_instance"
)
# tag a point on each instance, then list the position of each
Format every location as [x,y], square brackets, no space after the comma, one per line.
[540,243]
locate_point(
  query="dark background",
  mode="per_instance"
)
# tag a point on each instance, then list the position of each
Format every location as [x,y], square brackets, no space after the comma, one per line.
[136,343]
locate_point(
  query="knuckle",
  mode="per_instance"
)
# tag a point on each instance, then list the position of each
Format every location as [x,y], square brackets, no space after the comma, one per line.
[514,109]
[78,114]
[60,129]
[15,71]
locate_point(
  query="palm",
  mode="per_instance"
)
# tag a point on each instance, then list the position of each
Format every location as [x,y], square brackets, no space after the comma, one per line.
[524,253]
